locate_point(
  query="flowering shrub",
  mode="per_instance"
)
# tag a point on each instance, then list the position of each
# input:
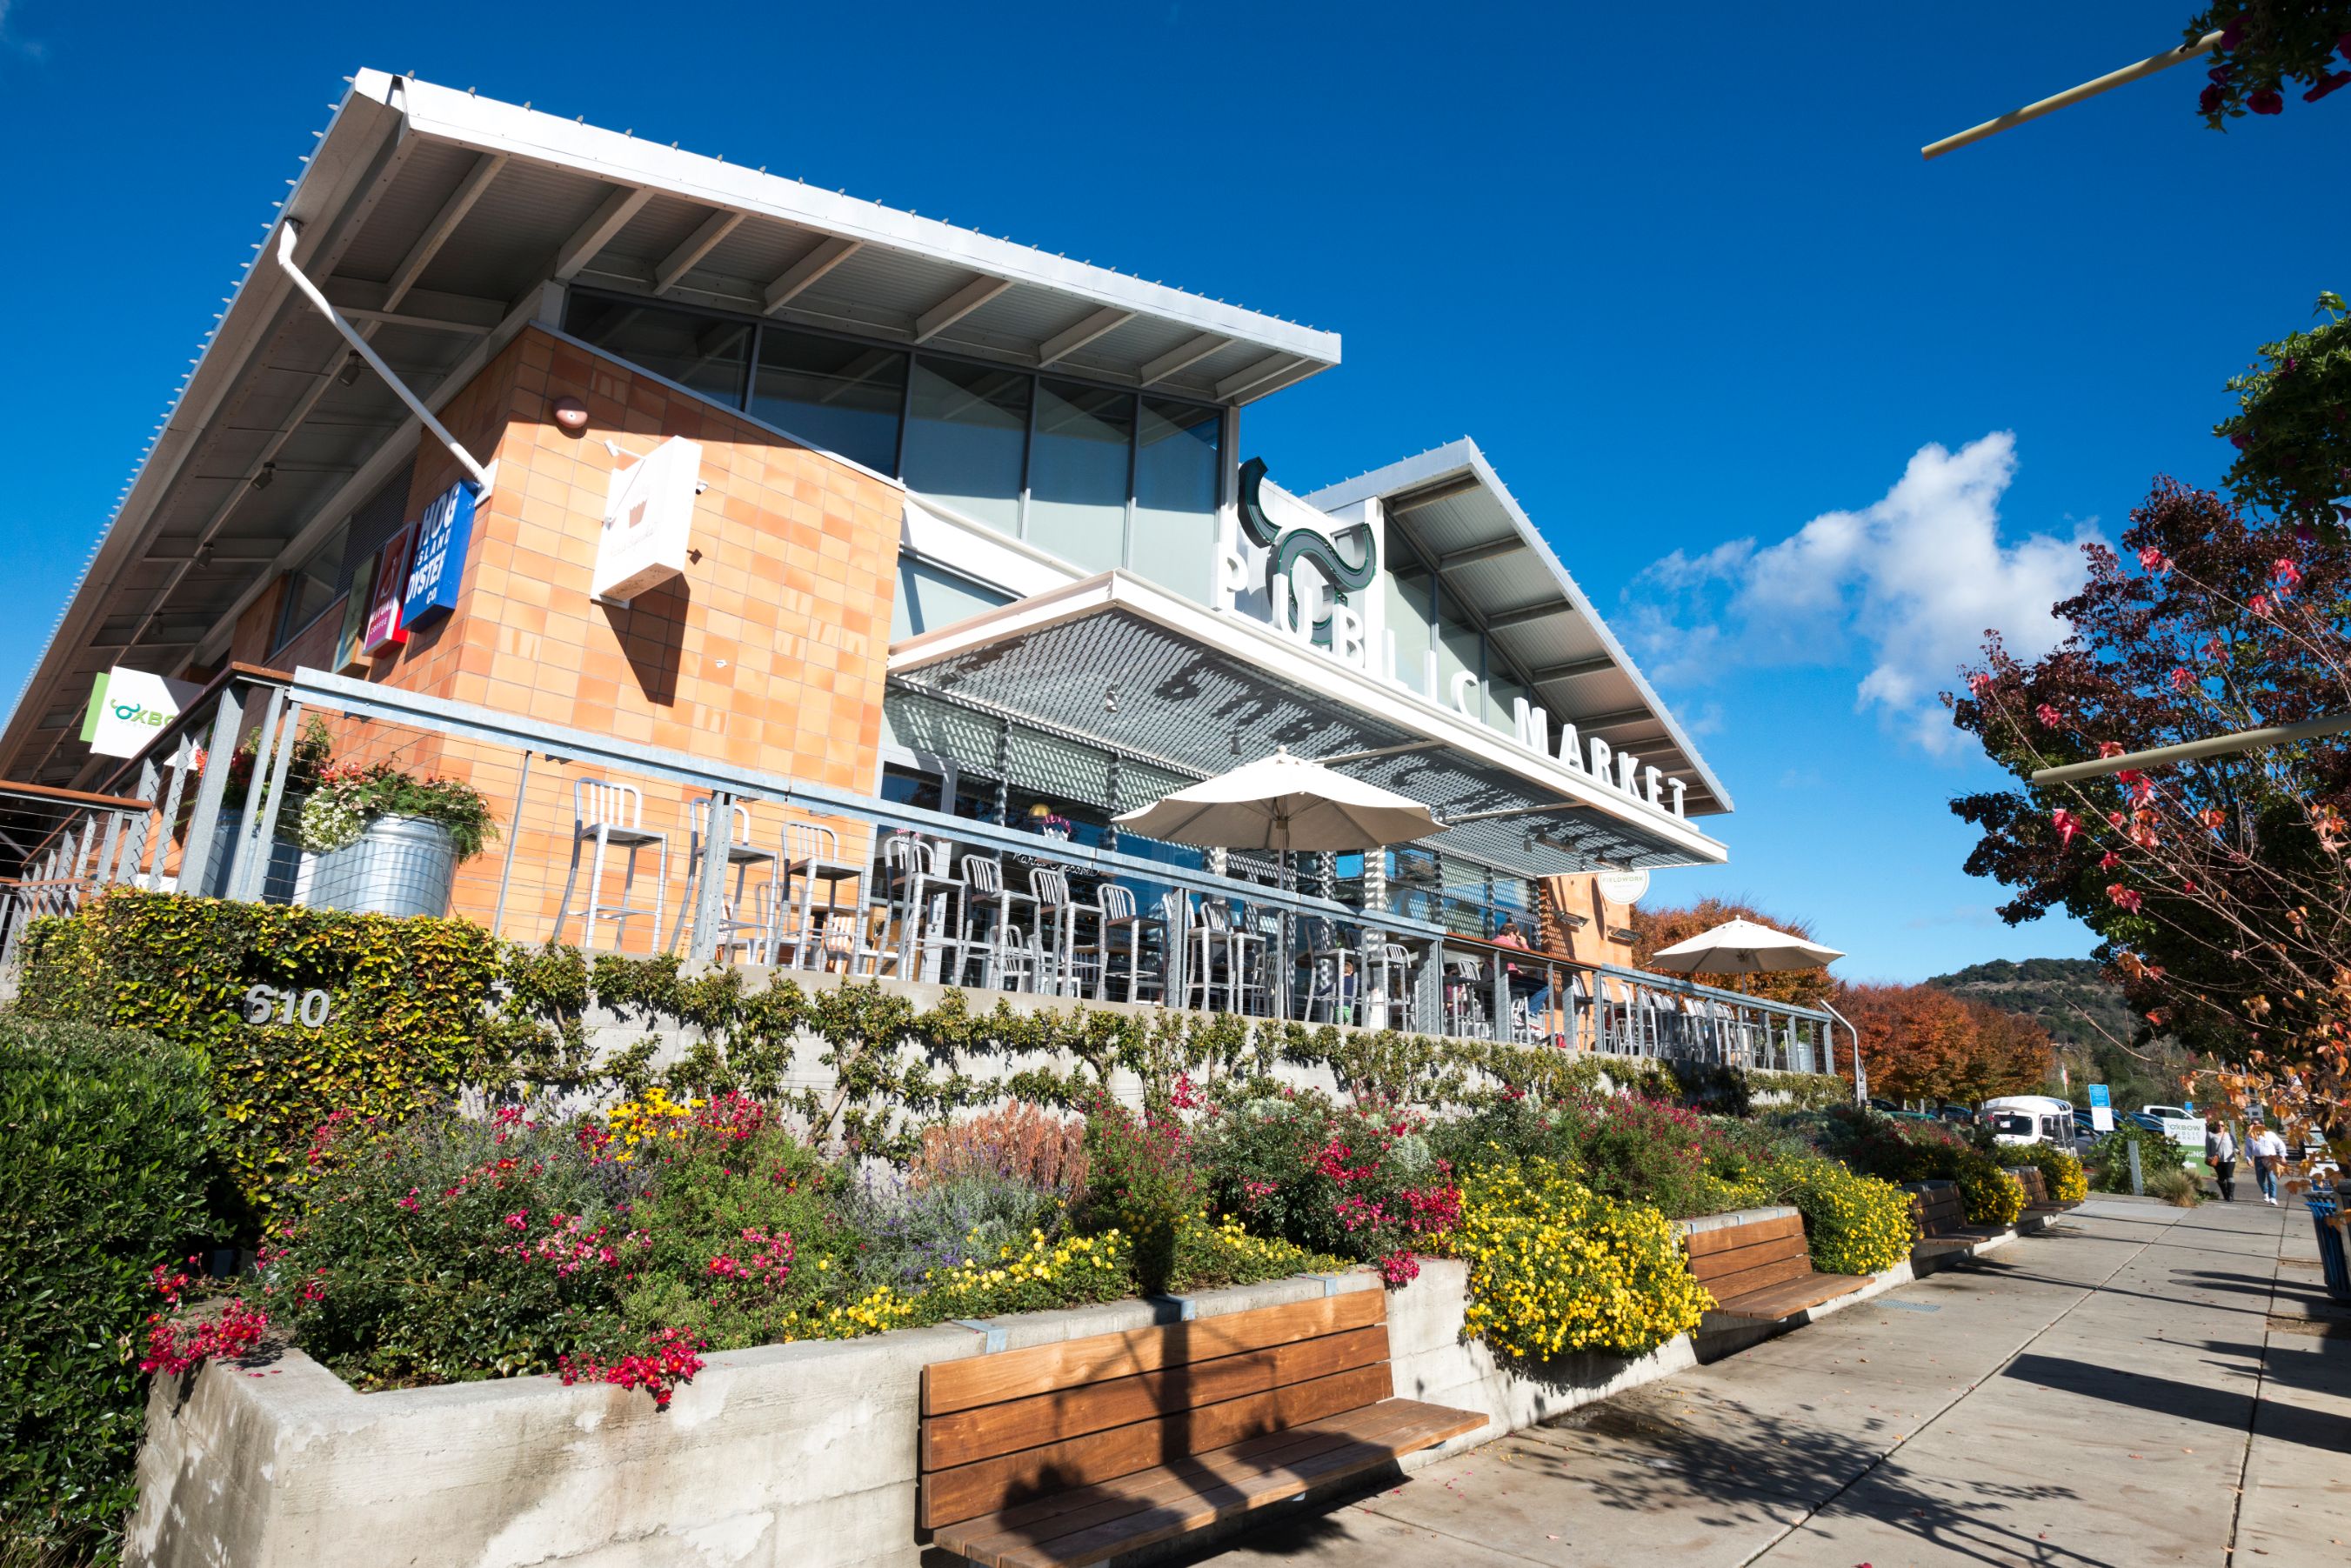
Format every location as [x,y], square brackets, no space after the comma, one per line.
[1017,1140]
[669,1358]
[1357,1180]
[1902,1151]
[1622,1146]
[1855,1224]
[906,1231]
[1556,1268]
[2060,1171]
[1140,1180]
[347,798]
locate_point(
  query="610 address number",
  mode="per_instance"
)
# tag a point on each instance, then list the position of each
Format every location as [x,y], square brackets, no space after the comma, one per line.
[309,1008]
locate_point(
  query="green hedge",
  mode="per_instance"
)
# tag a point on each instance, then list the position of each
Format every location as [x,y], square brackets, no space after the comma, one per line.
[103,1144]
[405,1020]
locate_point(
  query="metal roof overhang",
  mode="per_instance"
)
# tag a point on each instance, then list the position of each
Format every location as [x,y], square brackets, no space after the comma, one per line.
[1456,513]
[434,220]
[1119,663]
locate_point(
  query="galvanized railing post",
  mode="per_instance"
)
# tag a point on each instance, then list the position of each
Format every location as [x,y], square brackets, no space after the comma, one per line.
[241,852]
[211,787]
[281,767]
[710,886]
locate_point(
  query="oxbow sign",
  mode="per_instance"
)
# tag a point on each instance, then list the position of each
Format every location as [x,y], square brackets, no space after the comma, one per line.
[1328,614]
[127,707]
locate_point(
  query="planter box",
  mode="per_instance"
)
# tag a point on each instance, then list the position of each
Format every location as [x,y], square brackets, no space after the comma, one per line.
[801,1455]
[399,866]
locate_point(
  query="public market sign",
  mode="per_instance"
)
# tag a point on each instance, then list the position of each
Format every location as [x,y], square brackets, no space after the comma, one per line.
[443,535]
[128,707]
[1328,614]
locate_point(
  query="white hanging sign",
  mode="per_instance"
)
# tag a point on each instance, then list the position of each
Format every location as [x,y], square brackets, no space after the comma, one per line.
[128,706]
[648,520]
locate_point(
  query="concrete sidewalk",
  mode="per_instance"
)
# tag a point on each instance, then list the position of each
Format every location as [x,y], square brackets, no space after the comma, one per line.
[2141,1384]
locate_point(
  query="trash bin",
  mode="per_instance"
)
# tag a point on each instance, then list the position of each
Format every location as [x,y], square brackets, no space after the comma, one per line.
[400,866]
[2323,1209]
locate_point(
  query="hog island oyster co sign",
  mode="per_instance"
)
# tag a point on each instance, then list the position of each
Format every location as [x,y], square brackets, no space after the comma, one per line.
[1312,575]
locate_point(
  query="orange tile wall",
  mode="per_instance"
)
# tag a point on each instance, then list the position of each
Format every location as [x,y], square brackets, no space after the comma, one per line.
[769,653]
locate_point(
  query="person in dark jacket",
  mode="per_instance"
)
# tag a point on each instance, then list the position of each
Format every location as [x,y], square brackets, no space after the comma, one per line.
[2220,1154]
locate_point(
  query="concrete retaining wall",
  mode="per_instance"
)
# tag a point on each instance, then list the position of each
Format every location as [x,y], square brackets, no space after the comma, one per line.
[799,1455]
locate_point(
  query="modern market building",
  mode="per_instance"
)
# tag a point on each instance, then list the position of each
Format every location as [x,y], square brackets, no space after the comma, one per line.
[825,491]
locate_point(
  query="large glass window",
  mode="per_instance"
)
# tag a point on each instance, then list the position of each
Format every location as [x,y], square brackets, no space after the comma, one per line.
[704,353]
[1179,458]
[1459,649]
[1077,474]
[311,587]
[1502,693]
[843,396]
[966,436]
[929,599]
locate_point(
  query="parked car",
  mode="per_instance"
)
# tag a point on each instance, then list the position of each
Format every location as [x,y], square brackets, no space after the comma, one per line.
[1958,1114]
[2179,1124]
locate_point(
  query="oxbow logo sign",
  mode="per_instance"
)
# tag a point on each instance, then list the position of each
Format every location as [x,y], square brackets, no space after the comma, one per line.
[127,707]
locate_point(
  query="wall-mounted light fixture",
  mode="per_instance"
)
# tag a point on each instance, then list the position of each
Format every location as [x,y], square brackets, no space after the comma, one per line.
[268,472]
[570,415]
[349,373]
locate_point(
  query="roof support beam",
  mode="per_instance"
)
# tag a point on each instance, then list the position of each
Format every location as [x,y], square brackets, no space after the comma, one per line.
[1592,666]
[829,254]
[1429,494]
[1409,745]
[1613,717]
[698,243]
[958,304]
[1182,356]
[1109,318]
[1498,619]
[1240,382]
[1473,554]
[603,226]
[444,224]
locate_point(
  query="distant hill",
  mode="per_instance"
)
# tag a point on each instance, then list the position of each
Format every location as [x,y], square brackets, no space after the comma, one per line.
[2086,1018]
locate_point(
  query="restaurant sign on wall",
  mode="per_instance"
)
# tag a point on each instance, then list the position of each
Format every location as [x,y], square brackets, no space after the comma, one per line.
[443,535]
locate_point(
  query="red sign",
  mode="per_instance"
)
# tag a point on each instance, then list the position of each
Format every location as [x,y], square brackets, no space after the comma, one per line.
[383,625]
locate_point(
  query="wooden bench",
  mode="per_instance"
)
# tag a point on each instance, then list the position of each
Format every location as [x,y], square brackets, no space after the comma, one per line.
[1073,1452]
[1757,1267]
[2037,1190]
[1941,1213]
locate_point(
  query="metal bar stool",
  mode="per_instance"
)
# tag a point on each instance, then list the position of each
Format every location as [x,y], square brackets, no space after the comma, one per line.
[742,855]
[812,855]
[1116,917]
[1057,931]
[611,816]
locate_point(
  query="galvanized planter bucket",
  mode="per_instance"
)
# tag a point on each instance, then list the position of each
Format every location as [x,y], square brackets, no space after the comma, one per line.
[400,866]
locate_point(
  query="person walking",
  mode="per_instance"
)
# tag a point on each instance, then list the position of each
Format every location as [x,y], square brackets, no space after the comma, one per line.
[2220,1154]
[2269,1153]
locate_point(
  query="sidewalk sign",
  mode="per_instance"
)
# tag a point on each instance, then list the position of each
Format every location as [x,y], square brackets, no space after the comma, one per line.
[2102,1110]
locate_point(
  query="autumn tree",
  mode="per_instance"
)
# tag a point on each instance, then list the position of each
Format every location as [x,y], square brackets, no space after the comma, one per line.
[1921,1042]
[2219,886]
[1662,927]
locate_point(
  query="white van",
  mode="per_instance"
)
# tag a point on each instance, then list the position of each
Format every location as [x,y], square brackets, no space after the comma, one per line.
[2030,1119]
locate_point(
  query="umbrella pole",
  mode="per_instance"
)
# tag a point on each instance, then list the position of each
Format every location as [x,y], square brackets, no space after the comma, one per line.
[1281,959]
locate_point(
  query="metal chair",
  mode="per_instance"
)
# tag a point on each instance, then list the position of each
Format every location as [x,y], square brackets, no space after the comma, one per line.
[1387,989]
[917,895]
[742,855]
[1115,917]
[812,855]
[1057,931]
[1465,1007]
[611,816]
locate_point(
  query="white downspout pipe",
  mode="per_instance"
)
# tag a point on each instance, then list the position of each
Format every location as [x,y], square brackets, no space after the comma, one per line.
[287,234]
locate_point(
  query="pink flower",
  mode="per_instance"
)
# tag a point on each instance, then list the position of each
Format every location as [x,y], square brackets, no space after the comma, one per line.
[2122,897]
[1980,684]
[2066,824]
[2151,559]
[2181,681]
[2110,749]
[2265,100]
[520,1219]
[2288,575]
[2049,716]
[2261,605]
[2108,860]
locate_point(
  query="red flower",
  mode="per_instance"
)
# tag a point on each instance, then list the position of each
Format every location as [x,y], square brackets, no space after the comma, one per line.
[2288,575]
[2260,604]
[2049,716]
[2108,860]
[2066,824]
[2326,84]
[2110,749]
[2265,100]
[2122,897]
[2150,559]
[2182,680]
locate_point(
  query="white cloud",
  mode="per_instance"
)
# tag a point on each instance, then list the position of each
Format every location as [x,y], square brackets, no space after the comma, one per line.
[1914,579]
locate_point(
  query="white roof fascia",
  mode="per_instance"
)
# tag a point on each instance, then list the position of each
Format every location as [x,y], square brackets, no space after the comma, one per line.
[1261,647]
[1464,456]
[489,125]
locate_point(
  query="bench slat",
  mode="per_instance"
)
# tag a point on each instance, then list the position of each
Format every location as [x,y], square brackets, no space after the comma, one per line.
[1722,1265]
[1161,1504]
[1730,1237]
[952,1385]
[989,1485]
[1749,1280]
[984,1432]
[1785,1301]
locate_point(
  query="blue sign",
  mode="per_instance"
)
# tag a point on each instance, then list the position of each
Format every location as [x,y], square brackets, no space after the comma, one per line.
[435,571]
[2098,1095]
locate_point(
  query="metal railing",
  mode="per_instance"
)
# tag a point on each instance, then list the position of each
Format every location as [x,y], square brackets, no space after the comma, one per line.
[229,808]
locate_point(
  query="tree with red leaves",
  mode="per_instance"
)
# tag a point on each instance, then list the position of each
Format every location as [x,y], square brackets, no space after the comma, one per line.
[1921,1042]
[2219,886]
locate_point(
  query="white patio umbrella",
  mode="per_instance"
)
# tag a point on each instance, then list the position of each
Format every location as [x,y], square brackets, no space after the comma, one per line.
[1283,802]
[1741,947]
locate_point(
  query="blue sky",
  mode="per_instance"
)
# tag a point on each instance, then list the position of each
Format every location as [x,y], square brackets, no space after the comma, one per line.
[1680,273]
